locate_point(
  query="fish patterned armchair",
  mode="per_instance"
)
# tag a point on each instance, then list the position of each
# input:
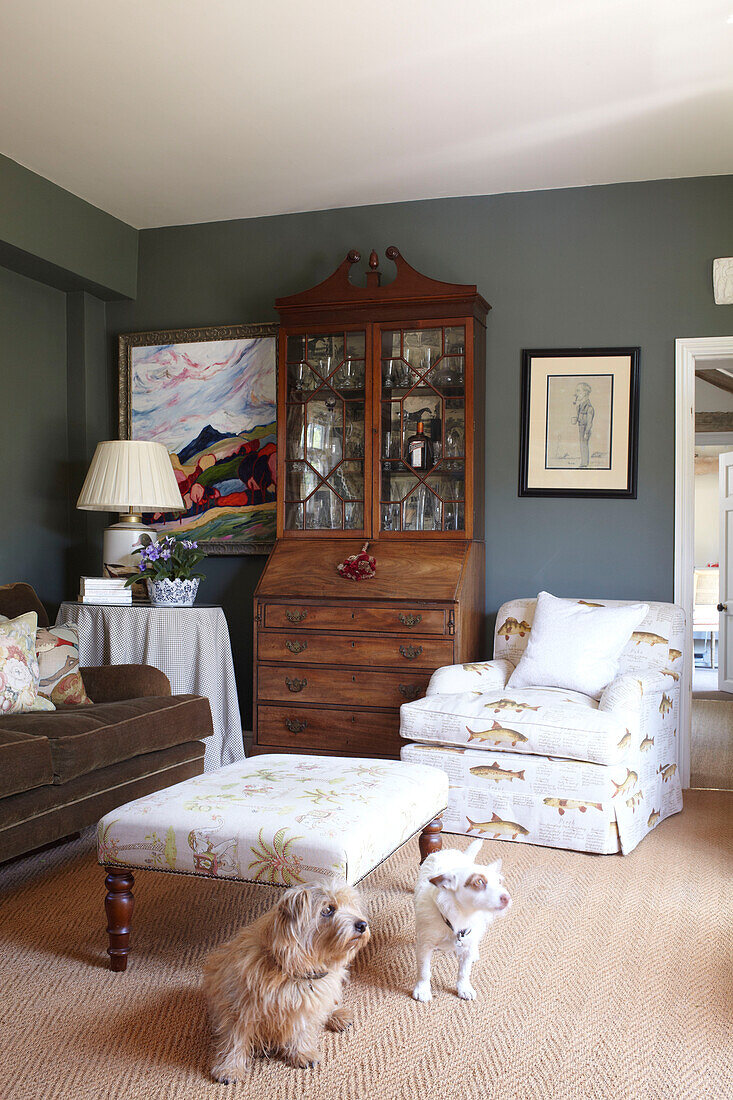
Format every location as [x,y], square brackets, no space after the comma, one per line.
[555,767]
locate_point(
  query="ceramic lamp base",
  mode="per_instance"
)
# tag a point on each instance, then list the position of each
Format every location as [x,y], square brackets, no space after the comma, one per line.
[120,540]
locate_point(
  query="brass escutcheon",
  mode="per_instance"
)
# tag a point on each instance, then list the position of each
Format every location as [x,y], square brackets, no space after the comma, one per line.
[296,647]
[294,684]
[409,691]
[295,616]
[409,620]
[295,726]
[410,652]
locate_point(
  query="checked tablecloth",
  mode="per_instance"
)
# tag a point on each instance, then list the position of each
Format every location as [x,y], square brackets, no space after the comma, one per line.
[189,644]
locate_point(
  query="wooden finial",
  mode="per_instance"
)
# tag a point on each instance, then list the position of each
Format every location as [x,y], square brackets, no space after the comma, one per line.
[353,256]
[374,260]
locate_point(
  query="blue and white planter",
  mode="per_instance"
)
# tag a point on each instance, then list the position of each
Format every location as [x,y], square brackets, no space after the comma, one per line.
[173,593]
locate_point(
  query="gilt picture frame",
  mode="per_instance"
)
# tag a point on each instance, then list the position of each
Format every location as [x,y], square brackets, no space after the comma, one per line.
[579,426]
[209,395]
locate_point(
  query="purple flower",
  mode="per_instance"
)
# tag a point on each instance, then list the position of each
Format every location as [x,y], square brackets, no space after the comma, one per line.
[165,553]
[189,544]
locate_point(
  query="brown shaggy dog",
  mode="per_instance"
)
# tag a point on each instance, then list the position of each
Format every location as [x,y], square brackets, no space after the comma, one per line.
[277,984]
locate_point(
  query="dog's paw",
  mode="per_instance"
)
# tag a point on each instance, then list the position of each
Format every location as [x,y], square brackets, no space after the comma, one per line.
[304,1059]
[341,1019]
[422,992]
[226,1075]
[466,991]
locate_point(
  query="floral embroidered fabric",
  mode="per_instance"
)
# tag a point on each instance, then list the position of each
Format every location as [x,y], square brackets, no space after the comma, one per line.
[277,819]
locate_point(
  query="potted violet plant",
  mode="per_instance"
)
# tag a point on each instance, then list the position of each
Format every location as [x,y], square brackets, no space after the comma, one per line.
[167,567]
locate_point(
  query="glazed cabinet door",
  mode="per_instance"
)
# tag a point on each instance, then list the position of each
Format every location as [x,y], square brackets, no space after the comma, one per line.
[325,432]
[423,392]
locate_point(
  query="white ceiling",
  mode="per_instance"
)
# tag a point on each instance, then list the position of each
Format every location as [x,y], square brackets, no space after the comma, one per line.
[171,111]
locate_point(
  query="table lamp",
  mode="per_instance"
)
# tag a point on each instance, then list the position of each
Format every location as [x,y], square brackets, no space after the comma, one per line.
[129,476]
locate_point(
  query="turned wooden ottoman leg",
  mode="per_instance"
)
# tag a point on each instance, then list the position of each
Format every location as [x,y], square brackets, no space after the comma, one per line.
[119,904]
[431,839]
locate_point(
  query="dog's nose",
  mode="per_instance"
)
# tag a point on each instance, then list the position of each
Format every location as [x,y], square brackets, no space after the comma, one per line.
[360,926]
[504,900]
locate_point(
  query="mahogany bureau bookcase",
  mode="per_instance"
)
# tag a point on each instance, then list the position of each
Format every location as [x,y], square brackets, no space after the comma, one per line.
[380,441]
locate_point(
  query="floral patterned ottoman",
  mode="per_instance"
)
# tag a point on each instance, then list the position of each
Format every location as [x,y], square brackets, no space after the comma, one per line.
[276,819]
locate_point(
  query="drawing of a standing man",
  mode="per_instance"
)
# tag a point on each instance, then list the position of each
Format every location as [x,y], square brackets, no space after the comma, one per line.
[584,413]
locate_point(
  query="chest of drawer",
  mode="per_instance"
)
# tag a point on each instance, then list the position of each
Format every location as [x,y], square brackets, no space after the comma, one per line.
[354,650]
[341,686]
[329,730]
[399,620]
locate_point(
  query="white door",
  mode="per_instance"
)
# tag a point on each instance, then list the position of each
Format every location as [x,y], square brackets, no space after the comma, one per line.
[725,607]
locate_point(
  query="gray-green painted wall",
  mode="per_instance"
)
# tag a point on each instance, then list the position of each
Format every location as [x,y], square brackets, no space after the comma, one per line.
[60,259]
[35,538]
[623,264]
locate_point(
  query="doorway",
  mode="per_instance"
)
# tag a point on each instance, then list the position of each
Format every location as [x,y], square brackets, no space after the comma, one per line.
[704,431]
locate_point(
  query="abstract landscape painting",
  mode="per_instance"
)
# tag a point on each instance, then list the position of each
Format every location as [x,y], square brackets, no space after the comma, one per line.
[209,395]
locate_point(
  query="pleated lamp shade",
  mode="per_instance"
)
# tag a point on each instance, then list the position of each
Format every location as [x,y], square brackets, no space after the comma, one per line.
[130,475]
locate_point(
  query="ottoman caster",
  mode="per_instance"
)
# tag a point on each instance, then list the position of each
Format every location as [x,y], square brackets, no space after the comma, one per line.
[118,904]
[431,839]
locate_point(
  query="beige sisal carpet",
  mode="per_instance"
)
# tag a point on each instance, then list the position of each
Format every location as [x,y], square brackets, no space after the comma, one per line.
[711,750]
[610,978]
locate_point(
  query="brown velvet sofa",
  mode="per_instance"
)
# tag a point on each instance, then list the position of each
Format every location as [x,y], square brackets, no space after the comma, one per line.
[62,770]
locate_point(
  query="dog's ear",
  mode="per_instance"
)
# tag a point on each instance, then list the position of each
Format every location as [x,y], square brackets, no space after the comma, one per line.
[495,866]
[445,881]
[473,849]
[295,903]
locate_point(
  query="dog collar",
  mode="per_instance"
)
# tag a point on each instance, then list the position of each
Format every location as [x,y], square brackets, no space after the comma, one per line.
[312,977]
[458,933]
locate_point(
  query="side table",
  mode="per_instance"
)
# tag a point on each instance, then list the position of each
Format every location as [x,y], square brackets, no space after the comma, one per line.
[189,644]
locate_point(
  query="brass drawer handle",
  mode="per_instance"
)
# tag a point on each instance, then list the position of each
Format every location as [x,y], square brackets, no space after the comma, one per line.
[295,726]
[410,652]
[295,685]
[409,691]
[296,647]
[295,616]
[409,620]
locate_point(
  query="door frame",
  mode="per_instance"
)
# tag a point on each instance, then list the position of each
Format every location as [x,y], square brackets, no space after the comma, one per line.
[688,353]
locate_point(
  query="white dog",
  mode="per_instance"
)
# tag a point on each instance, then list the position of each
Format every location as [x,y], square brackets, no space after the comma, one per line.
[455,902]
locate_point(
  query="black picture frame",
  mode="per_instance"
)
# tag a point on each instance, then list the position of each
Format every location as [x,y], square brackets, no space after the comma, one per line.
[565,476]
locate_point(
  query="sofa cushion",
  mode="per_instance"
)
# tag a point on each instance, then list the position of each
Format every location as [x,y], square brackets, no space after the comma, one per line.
[542,721]
[25,762]
[57,648]
[19,666]
[83,739]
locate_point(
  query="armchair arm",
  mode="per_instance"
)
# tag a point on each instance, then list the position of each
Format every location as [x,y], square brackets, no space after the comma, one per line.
[481,676]
[626,693]
[113,683]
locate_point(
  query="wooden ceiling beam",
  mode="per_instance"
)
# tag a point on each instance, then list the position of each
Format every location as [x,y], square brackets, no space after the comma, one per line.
[717,378]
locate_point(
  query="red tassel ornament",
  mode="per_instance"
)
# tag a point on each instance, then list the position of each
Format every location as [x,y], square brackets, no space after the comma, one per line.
[358,567]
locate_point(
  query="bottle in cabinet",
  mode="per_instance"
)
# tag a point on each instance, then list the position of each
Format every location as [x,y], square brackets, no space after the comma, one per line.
[420,449]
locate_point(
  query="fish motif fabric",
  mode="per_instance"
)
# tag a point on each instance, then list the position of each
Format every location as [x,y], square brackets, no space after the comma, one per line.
[616,757]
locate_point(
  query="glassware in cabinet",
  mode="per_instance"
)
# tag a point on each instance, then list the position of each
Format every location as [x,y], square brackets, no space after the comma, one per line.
[325,416]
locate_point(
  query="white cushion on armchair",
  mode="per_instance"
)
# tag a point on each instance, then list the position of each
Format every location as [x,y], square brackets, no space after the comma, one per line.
[575,645]
[542,721]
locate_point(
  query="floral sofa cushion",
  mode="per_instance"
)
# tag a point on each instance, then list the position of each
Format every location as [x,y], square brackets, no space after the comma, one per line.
[19,666]
[57,649]
[543,721]
[277,819]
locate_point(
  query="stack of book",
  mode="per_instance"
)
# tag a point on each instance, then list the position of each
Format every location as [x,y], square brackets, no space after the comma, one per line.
[104,590]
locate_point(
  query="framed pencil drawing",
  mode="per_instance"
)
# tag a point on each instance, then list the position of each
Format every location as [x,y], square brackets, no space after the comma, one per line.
[580,423]
[209,395]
